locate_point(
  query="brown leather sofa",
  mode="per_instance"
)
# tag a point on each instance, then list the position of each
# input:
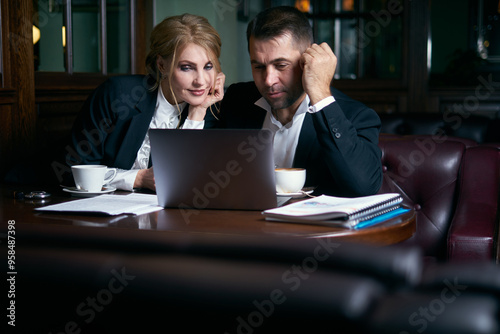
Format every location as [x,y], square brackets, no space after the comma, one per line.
[453,184]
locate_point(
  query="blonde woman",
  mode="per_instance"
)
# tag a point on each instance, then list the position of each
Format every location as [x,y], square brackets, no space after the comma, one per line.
[184,82]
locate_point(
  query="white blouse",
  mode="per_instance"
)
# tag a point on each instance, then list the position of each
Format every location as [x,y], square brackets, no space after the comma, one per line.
[166,116]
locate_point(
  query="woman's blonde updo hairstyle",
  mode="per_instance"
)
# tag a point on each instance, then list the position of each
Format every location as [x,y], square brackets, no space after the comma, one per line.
[170,36]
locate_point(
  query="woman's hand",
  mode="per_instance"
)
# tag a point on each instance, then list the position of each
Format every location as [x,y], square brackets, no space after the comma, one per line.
[197,113]
[145,179]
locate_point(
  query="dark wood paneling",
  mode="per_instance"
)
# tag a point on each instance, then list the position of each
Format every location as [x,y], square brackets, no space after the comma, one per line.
[141,37]
[7,96]
[482,100]
[38,109]
[58,83]
[7,100]
[18,119]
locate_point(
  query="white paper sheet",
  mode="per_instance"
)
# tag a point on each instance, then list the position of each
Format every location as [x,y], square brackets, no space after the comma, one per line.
[133,204]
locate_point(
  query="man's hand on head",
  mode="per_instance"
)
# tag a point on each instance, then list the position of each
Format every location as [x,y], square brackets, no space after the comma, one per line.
[318,63]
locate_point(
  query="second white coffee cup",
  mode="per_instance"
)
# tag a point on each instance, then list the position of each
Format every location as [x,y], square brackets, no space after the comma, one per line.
[290,180]
[92,178]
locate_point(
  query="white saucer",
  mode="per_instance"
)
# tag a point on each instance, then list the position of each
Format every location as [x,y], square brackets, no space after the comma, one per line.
[295,195]
[80,193]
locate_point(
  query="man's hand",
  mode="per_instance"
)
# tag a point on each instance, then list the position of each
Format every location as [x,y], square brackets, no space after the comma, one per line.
[197,113]
[145,179]
[318,63]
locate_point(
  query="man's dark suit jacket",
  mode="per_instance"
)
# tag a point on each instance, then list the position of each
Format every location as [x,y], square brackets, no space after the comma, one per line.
[337,145]
[112,124]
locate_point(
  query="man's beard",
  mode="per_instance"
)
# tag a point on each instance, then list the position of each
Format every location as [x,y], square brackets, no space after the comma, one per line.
[284,102]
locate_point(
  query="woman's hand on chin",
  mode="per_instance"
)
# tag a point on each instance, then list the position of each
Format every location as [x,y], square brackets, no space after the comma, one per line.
[197,113]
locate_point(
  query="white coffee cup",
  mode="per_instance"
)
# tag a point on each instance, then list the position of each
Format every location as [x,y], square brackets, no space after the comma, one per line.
[91,178]
[289,180]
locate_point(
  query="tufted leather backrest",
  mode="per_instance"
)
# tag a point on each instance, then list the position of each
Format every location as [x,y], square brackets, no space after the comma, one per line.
[475,127]
[425,170]
[413,123]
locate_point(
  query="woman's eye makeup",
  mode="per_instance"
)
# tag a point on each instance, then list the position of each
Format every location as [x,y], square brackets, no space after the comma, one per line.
[185,67]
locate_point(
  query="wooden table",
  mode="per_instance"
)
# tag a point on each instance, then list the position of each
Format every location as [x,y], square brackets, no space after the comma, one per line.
[213,222]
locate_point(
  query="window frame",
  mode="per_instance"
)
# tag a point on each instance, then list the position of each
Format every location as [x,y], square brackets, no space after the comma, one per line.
[46,81]
[376,83]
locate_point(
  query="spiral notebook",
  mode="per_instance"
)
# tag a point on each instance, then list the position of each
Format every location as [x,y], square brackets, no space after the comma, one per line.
[336,211]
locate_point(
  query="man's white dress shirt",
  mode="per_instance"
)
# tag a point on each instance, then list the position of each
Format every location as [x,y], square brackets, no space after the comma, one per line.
[286,137]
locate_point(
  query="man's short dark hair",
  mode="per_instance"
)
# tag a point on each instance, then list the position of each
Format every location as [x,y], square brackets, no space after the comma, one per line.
[278,21]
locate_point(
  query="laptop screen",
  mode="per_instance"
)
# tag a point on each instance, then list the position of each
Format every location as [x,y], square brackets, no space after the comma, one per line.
[214,168]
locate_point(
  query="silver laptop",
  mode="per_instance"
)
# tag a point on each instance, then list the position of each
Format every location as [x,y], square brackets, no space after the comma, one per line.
[214,168]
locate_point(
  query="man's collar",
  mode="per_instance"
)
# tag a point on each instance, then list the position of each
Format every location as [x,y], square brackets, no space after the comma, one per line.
[302,107]
[263,104]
